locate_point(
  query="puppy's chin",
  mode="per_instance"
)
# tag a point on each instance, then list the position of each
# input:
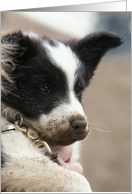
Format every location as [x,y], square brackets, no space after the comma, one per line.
[63,138]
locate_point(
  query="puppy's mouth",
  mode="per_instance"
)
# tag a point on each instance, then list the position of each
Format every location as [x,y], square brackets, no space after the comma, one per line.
[64,149]
[61,142]
[65,158]
[63,137]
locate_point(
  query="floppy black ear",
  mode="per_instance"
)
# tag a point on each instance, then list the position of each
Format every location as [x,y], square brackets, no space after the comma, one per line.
[93,47]
[22,46]
[16,49]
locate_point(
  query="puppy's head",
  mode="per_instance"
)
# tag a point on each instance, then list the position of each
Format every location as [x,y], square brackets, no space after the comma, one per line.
[43,80]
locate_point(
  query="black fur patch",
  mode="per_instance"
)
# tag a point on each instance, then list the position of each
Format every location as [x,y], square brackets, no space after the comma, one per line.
[35,71]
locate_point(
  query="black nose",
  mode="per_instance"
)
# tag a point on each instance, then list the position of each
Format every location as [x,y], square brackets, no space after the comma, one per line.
[78,126]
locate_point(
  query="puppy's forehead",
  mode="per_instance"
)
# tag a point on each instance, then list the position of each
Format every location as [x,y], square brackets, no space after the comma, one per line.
[63,57]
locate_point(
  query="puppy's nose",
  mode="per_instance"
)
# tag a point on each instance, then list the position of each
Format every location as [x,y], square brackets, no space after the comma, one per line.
[78,126]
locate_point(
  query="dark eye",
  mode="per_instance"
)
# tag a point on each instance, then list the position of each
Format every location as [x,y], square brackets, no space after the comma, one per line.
[79,91]
[44,89]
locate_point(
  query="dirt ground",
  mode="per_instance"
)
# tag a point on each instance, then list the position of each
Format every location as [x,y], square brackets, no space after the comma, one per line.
[106,153]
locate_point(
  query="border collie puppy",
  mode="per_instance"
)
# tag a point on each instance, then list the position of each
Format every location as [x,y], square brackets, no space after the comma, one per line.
[42,117]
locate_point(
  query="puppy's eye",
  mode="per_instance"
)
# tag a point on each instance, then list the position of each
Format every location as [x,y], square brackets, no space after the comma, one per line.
[78,91]
[44,89]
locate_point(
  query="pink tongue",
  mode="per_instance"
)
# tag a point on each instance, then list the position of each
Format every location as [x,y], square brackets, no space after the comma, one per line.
[75,166]
[64,157]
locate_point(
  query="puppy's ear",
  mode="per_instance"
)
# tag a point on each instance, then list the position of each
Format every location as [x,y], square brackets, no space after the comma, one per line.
[15,49]
[23,47]
[93,47]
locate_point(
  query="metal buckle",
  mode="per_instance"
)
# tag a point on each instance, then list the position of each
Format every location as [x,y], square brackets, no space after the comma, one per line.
[7,127]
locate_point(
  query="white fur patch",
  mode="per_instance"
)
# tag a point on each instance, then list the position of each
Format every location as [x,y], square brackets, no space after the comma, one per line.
[32,35]
[63,57]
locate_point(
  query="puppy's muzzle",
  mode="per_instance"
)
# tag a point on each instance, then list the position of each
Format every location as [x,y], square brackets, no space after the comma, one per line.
[67,131]
[78,126]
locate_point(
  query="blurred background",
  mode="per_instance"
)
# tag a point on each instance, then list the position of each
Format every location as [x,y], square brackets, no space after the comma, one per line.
[106,152]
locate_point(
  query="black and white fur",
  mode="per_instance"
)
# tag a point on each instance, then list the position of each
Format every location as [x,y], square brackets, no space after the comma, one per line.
[43,80]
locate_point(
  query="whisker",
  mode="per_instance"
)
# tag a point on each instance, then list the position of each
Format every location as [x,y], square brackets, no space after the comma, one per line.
[94,125]
[97,126]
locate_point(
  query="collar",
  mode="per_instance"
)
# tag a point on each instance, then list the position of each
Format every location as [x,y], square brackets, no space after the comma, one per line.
[29,132]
